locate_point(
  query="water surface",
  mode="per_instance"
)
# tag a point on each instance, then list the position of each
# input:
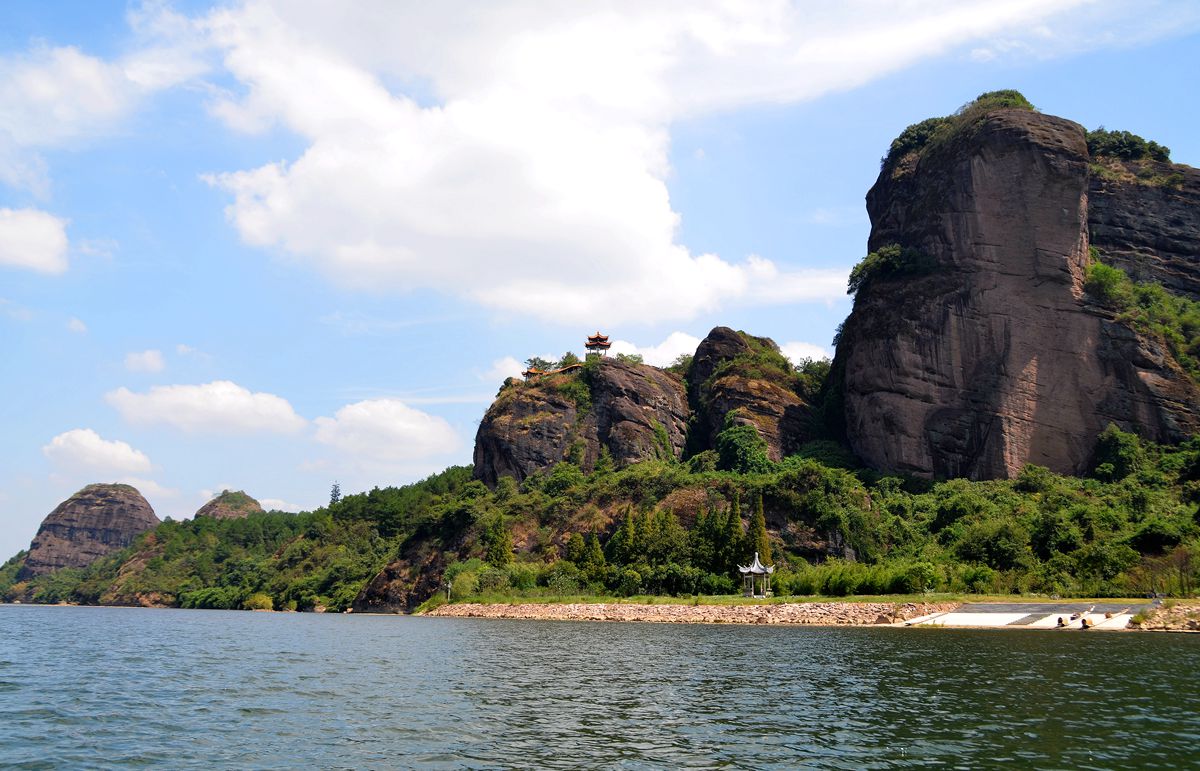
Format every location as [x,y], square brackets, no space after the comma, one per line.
[119,687]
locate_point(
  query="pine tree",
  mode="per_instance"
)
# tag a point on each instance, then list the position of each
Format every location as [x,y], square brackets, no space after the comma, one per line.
[732,547]
[575,548]
[758,532]
[593,564]
[335,494]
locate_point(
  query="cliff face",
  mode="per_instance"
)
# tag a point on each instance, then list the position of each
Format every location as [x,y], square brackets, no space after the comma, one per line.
[97,520]
[633,410]
[230,505]
[990,357]
[717,386]
[1144,217]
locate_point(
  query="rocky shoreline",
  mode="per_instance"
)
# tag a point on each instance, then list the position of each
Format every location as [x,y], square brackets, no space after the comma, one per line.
[811,613]
[1182,617]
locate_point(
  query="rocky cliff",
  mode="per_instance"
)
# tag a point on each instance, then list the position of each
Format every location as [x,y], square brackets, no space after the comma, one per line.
[633,410]
[974,350]
[1144,217]
[746,380]
[97,520]
[230,504]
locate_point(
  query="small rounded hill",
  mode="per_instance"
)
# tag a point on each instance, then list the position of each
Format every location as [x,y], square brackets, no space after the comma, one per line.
[230,504]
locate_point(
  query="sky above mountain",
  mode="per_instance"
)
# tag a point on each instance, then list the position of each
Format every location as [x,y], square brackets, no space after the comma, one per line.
[270,245]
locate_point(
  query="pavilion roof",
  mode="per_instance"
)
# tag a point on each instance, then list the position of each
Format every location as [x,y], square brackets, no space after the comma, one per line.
[756,567]
[597,338]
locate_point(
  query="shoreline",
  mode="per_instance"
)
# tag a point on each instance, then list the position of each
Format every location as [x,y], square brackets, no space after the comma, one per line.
[1180,618]
[786,613]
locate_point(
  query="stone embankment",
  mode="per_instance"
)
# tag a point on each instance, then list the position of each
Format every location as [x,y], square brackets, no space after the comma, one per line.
[1176,618]
[814,613]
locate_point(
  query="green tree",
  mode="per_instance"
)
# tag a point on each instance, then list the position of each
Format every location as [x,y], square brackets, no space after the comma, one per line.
[335,494]
[575,547]
[742,449]
[733,541]
[568,359]
[758,532]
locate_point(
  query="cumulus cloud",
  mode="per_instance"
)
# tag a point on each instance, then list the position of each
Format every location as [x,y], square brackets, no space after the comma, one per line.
[798,351]
[33,239]
[510,159]
[56,96]
[503,368]
[275,504]
[386,430]
[151,489]
[76,325]
[217,407]
[145,361]
[661,355]
[82,449]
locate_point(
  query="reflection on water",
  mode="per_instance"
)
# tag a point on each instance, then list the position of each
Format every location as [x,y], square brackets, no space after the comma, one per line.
[120,687]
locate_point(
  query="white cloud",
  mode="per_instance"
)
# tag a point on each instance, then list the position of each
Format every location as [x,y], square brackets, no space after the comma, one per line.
[386,430]
[183,349]
[217,407]
[59,96]
[661,355]
[14,311]
[151,489]
[82,449]
[797,351]
[76,326]
[33,239]
[535,151]
[145,361]
[275,504]
[503,368]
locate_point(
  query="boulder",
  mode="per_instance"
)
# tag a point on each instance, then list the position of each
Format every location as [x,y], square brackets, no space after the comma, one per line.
[96,521]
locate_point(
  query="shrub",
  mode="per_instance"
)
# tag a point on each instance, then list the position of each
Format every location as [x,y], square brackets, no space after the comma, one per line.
[742,449]
[1117,455]
[259,601]
[1125,145]
[999,544]
[888,261]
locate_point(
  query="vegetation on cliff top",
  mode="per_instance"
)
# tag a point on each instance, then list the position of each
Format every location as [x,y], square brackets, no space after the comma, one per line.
[931,131]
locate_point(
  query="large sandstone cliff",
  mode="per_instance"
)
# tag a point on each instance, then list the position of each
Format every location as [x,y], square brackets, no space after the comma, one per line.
[97,520]
[638,412]
[991,356]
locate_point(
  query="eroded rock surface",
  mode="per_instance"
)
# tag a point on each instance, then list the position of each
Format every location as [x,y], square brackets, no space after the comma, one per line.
[717,386]
[994,358]
[97,520]
[635,411]
[1144,217]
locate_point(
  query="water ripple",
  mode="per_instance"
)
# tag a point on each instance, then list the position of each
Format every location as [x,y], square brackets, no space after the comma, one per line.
[113,687]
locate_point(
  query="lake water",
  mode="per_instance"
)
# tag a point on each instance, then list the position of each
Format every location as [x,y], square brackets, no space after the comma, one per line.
[109,687]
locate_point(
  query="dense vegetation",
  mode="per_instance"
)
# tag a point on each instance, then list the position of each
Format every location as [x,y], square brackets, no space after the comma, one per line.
[1125,146]
[665,527]
[932,131]
[1151,309]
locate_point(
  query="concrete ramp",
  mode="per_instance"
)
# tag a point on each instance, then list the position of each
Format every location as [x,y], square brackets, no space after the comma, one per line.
[1033,615]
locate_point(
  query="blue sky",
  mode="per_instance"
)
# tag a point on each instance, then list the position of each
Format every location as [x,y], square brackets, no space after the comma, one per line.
[262,247]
